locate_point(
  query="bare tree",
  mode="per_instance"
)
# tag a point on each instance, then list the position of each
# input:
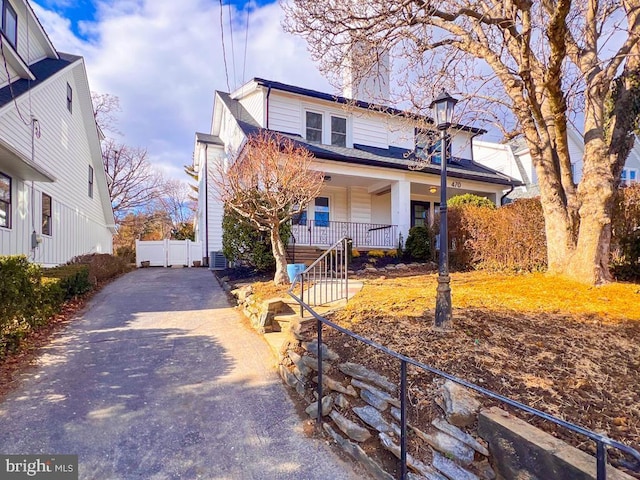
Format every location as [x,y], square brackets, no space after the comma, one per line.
[268,182]
[105,107]
[177,202]
[545,63]
[131,179]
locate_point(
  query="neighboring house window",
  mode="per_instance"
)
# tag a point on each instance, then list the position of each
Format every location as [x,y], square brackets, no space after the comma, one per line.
[314,127]
[5,201]
[90,181]
[46,214]
[339,131]
[9,23]
[69,98]
[628,176]
[321,213]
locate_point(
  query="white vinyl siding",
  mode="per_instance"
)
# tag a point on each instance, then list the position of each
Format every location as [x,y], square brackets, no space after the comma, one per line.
[381,209]
[79,224]
[401,132]
[285,114]
[370,130]
[360,205]
[461,145]
[254,105]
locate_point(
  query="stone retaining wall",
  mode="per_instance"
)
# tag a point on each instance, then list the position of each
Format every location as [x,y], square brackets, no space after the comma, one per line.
[360,406]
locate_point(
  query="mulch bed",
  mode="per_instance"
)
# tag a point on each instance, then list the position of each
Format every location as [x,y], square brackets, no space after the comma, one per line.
[581,370]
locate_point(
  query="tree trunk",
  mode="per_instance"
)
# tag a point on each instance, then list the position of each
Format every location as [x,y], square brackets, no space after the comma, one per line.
[279,254]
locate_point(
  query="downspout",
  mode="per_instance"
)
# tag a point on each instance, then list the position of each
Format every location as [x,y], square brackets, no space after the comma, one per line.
[506,195]
[266,123]
[206,206]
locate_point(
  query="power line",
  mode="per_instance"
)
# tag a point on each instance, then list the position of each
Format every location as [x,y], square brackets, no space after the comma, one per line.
[224,54]
[233,50]
[246,41]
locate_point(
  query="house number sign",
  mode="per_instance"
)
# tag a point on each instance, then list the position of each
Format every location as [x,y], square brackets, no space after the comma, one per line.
[456,184]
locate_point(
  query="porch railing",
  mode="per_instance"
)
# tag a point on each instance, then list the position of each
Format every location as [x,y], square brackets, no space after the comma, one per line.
[363,235]
[602,442]
[326,280]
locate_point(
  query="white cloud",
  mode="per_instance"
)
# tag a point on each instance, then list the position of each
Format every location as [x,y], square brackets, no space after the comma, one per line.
[164,60]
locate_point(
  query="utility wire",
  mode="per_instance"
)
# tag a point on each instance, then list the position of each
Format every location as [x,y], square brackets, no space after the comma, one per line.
[233,50]
[224,54]
[246,41]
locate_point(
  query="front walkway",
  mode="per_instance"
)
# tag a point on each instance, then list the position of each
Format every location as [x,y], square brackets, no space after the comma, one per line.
[161,379]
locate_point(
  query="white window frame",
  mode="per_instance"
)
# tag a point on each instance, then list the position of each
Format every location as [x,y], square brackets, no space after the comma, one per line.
[322,125]
[7,8]
[346,129]
[9,203]
[327,114]
[626,176]
[49,231]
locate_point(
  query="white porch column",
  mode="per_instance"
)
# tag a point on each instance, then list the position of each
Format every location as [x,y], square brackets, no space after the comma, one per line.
[401,206]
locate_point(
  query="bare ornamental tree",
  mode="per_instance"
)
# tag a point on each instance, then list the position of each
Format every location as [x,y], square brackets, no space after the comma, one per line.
[132,181]
[541,63]
[268,182]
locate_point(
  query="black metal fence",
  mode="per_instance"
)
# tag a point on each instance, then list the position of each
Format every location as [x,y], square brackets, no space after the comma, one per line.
[602,442]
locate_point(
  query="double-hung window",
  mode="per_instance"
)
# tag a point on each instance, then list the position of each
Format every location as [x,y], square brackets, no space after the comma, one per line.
[5,201]
[314,127]
[339,131]
[9,23]
[46,214]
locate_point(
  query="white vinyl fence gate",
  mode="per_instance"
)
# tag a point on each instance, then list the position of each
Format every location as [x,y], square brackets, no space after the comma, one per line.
[167,253]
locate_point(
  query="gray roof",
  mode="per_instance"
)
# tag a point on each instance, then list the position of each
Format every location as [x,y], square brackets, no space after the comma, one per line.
[207,138]
[393,157]
[42,70]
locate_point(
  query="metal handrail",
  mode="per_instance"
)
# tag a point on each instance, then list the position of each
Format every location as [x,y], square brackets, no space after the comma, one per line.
[327,275]
[601,440]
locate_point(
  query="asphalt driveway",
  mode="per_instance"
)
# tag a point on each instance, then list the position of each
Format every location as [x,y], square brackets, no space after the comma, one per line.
[160,379]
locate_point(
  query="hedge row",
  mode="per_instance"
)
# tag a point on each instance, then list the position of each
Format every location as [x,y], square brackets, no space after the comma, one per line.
[31,295]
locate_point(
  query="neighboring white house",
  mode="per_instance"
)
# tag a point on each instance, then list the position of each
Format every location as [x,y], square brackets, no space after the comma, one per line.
[366,152]
[515,160]
[54,202]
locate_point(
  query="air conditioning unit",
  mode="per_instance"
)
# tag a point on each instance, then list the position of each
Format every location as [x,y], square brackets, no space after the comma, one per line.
[217,261]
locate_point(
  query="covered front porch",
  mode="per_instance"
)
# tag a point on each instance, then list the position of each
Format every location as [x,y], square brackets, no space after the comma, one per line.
[374,207]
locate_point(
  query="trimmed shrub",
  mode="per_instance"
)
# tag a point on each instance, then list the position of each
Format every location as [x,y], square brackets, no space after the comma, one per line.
[73,279]
[28,300]
[355,253]
[102,266]
[418,244]
[470,199]
[625,238]
[375,253]
[392,253]
[509,238]
[244,244]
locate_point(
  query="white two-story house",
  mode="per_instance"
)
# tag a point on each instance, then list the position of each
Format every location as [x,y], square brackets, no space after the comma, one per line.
[373,192]
[514,159]
[54,202]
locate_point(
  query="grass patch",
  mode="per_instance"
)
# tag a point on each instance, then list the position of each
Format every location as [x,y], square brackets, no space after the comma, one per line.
[526,293]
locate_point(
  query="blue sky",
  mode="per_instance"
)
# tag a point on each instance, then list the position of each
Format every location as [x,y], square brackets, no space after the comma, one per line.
[163,59]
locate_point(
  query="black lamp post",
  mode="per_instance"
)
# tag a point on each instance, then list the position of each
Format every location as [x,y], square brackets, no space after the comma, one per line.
[442,113]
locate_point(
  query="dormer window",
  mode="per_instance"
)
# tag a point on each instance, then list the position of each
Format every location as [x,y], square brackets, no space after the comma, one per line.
[428,146]
[339,131]
[9,23]
[314,127]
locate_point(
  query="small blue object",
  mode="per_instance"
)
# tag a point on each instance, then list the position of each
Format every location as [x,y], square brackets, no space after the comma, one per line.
[294,269]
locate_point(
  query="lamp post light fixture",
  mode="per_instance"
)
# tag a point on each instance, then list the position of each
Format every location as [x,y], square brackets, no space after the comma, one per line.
[442,107]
